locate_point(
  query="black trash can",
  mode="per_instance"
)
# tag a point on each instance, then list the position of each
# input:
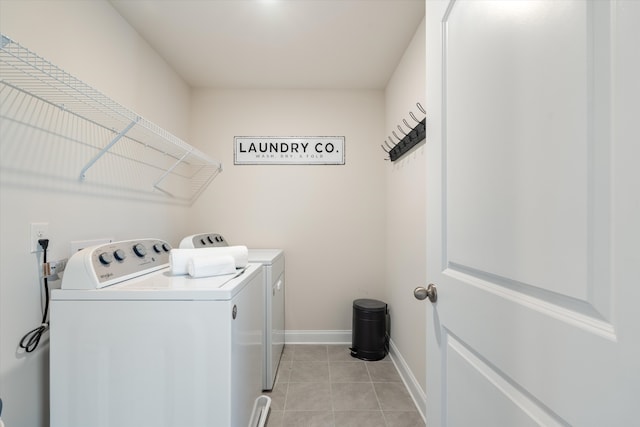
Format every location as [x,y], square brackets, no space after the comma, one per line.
[370,329]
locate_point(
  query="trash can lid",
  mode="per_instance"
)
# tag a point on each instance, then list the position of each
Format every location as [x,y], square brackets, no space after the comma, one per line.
[369,304]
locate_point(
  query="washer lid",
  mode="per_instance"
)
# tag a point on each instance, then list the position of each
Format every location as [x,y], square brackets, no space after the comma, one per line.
[162,285]
[265,256]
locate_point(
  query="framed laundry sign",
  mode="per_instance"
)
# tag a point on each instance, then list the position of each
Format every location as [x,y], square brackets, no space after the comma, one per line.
[289,150]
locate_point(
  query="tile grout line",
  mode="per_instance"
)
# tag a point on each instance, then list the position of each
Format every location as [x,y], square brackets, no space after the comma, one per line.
[376,393]
[333,409]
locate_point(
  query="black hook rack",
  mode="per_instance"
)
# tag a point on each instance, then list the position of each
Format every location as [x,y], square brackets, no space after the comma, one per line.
[409,140]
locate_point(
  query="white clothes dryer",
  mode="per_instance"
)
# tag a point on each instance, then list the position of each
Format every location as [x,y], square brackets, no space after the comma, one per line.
[274,299]
[132,345]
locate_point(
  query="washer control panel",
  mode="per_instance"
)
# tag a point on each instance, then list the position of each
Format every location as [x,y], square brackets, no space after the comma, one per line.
[104,265]
[206,240]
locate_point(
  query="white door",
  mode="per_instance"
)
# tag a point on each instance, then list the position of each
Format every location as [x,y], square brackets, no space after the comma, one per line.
[533,208]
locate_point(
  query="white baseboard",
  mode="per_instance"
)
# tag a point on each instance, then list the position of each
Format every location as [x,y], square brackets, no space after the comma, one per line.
[317,337]
[418,396]
[344,337]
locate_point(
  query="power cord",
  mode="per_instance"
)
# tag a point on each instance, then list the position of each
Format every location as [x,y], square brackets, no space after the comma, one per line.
[31,340]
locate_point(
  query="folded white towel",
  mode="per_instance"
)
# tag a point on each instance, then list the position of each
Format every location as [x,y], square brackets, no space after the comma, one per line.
[179,258]
[205,266]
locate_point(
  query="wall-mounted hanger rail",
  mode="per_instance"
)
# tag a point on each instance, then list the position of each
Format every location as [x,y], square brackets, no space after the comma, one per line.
[408,139]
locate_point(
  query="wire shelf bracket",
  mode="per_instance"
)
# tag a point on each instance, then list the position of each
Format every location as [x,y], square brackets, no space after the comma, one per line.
[123,132]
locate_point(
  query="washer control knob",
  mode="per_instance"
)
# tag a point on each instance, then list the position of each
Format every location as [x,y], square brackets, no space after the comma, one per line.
[210,239]
[105,258]
[139,250]
[166,247]
[120,255]
[157,248]
[204,243]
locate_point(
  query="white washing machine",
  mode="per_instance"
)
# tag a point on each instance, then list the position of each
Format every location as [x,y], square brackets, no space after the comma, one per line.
[274,297]
[131,345]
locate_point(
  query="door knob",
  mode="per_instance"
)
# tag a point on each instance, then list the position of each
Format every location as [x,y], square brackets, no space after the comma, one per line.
[430,292]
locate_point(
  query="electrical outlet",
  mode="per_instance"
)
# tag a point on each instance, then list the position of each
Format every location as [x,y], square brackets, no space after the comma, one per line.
[39,230]
[52,269]
[58,266]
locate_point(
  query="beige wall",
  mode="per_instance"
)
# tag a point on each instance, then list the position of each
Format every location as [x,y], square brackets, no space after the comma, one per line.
[91,41]
[406,212]
[329,219]
[352,231]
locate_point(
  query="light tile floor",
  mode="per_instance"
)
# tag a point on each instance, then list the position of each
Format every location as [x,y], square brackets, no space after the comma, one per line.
[323,386]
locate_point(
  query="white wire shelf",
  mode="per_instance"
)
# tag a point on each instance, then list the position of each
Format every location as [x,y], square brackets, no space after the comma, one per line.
[105,142]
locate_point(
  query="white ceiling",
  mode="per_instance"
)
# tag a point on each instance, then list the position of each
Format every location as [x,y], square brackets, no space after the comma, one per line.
[278,44]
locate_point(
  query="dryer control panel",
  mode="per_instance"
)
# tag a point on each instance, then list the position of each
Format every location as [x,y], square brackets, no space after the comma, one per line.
[206,240]
[104,265]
